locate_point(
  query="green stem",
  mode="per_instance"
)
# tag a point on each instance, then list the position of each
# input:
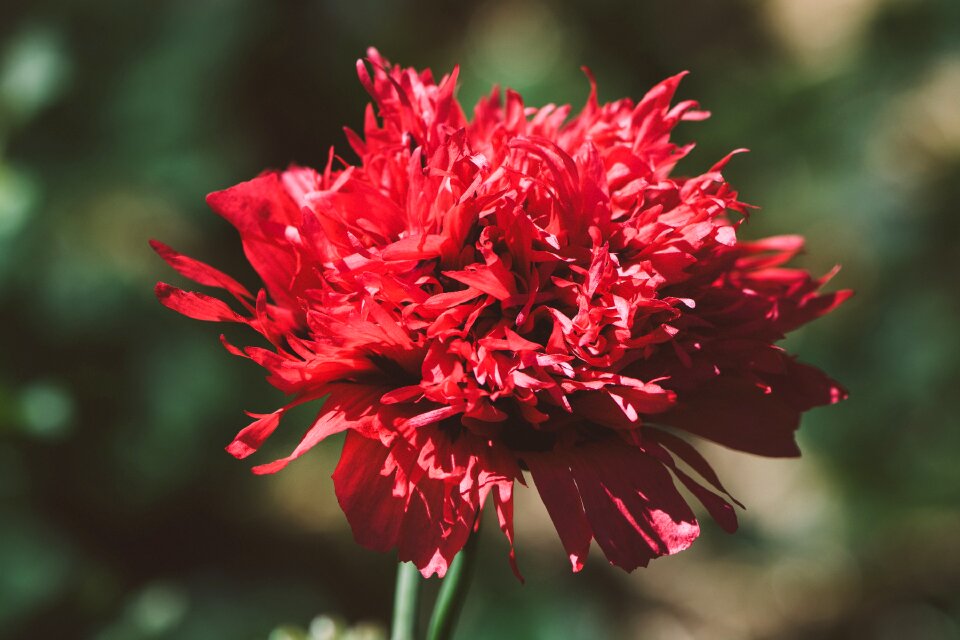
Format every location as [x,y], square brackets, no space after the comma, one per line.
[405,602]
[452,592]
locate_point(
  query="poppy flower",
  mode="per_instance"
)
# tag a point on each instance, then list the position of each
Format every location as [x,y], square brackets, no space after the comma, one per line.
[520,291]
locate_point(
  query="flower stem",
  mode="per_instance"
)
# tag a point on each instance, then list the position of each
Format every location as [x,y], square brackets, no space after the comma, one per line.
[405,602]
[452,592]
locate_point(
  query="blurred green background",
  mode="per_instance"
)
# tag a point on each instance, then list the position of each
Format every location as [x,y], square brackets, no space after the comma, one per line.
[122,518]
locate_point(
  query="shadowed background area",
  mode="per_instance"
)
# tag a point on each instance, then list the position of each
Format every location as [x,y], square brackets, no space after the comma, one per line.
[122,518]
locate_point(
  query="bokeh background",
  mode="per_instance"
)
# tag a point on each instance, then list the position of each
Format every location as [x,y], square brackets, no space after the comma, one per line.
[122,518]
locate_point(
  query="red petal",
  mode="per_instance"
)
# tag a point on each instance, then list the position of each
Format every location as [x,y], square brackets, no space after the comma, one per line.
[349,407]
[429,417]
[485,279]
[195,305]
[414,248]
[366,495]
[255,434]
[630,504]
[198,271]
[252,207]
[612,525]
[633,506]
[634,401]
[562,500]
[720,510]
[503,502]
[736,413]
[248,203]
[447,300]
[686,452]
[428,521]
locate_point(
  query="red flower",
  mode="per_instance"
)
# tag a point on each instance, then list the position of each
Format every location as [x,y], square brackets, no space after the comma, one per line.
[522,291]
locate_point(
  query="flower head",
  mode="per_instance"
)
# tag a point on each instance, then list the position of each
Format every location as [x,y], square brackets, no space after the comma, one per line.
[519,291]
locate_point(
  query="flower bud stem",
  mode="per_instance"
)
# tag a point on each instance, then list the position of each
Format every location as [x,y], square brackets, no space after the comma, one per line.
[452,592]
[405,602]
